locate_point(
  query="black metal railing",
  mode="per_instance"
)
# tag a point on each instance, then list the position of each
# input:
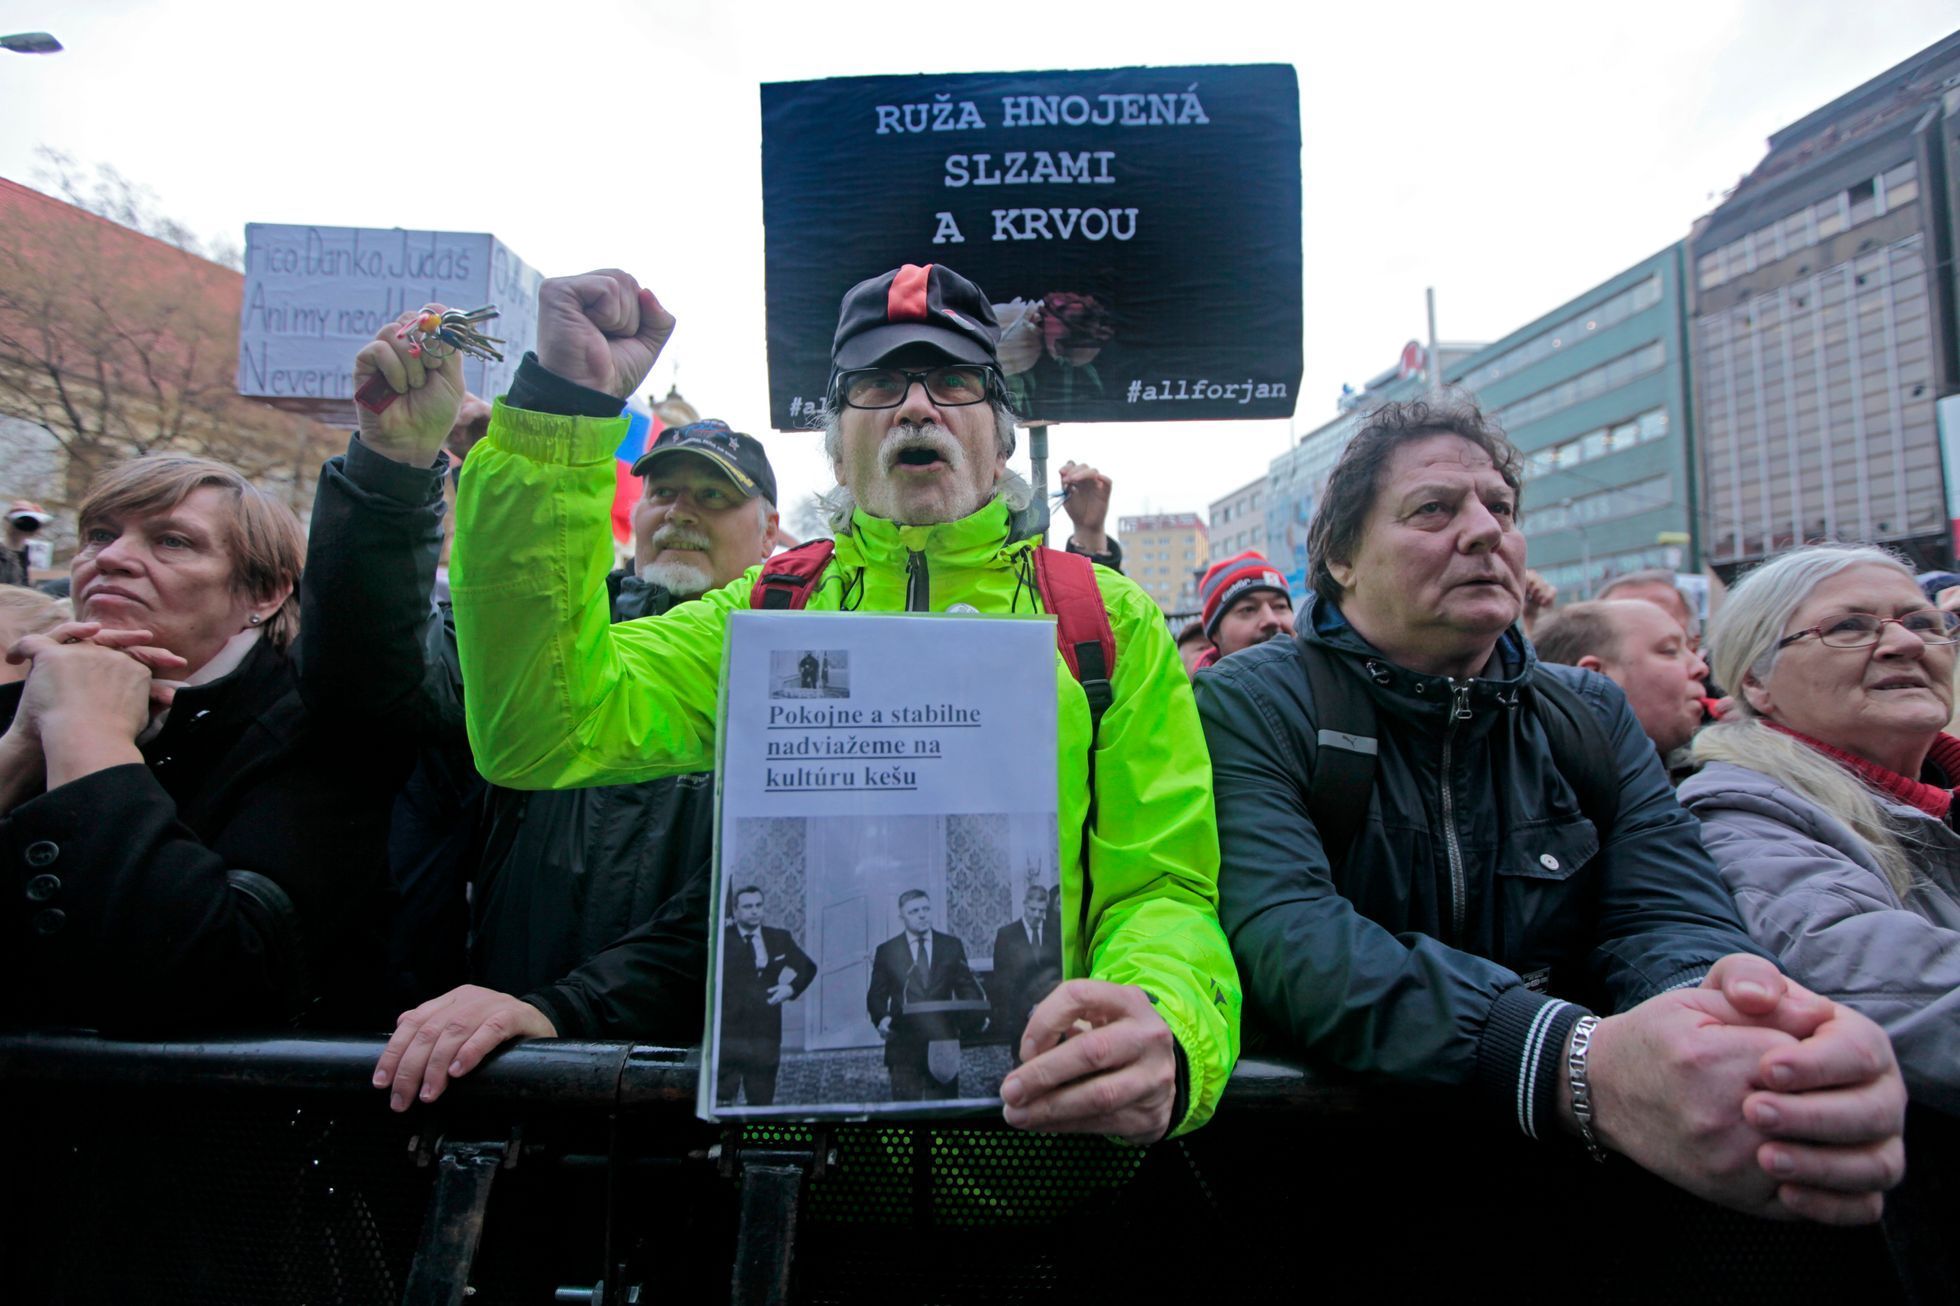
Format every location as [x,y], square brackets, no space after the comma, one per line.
[269,1170]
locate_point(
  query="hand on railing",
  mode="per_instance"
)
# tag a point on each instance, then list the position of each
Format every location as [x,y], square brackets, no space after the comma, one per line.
[449,1036]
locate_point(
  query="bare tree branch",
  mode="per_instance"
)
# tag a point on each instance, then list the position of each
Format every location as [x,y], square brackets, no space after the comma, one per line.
[118,345]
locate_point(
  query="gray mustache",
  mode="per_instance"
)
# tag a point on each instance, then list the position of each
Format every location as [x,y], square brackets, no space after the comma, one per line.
[930,436]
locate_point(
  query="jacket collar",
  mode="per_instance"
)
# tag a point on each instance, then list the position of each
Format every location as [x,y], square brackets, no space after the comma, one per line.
[972,541]
[1424,698]
[248,693]
[1932,796]
[634,597]
[227,660]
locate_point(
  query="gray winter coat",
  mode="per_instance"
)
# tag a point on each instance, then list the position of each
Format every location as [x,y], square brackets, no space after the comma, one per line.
[1810,891]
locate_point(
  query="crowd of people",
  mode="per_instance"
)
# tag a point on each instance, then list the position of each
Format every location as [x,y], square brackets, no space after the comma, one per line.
[1387,834]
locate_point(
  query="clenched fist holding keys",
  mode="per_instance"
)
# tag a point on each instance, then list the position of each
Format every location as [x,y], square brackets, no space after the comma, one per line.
[600,329]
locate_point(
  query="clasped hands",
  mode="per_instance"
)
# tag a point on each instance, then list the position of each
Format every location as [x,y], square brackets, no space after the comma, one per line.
[88,695]
[1755,1093]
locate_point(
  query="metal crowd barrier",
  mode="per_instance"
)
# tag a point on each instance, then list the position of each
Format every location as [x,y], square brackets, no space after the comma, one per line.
[270,1171]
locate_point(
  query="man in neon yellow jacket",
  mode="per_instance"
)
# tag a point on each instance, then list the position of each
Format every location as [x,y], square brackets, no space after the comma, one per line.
[1141,1037]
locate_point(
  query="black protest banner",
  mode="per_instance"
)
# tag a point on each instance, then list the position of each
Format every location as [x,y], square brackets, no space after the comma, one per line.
[1137,229]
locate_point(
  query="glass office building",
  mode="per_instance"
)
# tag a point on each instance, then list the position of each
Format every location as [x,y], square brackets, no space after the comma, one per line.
[1823,317]
[1595,396]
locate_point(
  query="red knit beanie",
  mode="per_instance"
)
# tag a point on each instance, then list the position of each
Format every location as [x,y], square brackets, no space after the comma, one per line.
[1228,578]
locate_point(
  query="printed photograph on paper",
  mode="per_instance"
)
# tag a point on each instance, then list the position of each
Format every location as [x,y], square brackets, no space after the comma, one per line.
[881,964]
[884,913]
[810,673]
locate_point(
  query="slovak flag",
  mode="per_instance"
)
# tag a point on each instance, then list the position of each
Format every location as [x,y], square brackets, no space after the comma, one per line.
[640,430]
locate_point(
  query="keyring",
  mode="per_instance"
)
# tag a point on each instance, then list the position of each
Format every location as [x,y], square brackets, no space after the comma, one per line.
[435,336]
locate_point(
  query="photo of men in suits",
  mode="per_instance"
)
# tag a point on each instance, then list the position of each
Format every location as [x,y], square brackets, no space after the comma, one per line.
[761,969]
[921,964]
[1027,964]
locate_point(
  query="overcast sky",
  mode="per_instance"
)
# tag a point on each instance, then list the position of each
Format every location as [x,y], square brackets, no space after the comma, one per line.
[1509,154]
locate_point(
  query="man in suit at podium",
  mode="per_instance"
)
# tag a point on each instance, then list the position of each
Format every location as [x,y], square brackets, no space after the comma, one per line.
[921,964]
[761,969]
[1027,964]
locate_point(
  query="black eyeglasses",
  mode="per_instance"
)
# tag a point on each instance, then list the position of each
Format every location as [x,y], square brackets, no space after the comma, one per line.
[1862,629]
[886,387]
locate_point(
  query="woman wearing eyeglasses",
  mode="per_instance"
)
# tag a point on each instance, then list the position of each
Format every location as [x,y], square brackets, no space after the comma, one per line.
[1828,795]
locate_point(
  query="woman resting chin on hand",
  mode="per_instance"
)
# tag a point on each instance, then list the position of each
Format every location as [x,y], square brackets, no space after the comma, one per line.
[195,846]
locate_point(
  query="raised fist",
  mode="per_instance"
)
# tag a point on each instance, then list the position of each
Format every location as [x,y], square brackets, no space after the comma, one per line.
[601,330]
[411,429]
[1087,503]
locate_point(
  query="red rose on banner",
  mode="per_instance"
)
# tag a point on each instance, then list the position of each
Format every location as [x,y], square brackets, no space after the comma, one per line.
[1021,337]
[1074,327]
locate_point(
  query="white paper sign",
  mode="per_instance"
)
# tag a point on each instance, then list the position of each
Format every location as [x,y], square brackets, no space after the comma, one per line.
[315,295]
[886,862]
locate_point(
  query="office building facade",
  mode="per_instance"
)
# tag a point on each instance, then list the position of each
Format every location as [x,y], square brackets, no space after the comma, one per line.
[1770,380]
[1595,396]
[1823,324]
[1165,553]
[1295,478]
[1237,522]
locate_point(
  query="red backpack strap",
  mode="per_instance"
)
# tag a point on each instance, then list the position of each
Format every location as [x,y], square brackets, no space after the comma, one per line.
[1067,582]
[789,577]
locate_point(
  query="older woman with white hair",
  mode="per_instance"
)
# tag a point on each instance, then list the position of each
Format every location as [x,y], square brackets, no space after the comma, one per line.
[1828,795]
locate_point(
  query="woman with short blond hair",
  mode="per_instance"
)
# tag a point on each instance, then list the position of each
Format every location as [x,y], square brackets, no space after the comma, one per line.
[198,849]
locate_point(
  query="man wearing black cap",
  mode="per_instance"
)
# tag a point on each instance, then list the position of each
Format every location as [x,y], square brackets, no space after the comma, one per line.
[927,517]
[707,508]
[558,878]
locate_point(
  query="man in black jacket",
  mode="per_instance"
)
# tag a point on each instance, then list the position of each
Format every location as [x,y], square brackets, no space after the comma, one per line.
[920,965]
[1456,929]
[761,969]
[1027,963]
[559,876]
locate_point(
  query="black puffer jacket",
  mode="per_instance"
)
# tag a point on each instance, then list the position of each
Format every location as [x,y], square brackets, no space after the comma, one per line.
[1476,916]
[559,875]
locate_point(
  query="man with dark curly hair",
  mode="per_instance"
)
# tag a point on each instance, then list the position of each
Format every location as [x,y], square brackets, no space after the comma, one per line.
[1440,857]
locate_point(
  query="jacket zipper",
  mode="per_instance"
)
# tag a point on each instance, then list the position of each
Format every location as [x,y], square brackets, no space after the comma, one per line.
[1459,711]
[918,586]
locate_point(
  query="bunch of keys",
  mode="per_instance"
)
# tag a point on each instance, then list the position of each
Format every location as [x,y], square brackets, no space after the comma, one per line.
[438,335]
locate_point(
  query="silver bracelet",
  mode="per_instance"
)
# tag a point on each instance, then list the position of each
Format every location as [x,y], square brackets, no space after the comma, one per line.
[1575,1065]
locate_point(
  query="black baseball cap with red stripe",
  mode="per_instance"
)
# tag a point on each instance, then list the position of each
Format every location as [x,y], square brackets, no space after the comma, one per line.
[914,305]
